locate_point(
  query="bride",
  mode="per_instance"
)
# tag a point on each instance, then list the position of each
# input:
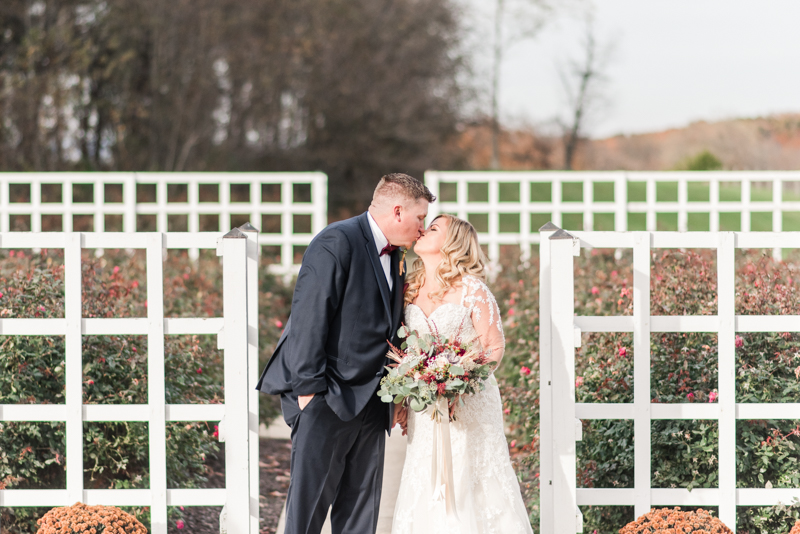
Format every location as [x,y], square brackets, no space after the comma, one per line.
[446,293]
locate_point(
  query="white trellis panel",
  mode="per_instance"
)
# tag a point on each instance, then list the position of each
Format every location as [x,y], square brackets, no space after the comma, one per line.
[238,330]
[287,208]
[557,296]
[555,207]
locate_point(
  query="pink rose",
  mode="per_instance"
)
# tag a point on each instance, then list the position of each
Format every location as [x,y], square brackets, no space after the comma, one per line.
[712,396]
[116,269]
[199,371]
[507,411]
[279,324]
[513,443]
[623,351]
[739,342]
[525,370]
[579,382]
[511,311]
[180,524]
[595,291]
[613,274]
[690,396]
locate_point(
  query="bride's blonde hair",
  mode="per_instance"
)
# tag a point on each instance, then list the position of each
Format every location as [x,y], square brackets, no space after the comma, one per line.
[461,255]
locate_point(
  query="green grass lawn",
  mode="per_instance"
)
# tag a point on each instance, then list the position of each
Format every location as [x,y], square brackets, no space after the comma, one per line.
[604,192]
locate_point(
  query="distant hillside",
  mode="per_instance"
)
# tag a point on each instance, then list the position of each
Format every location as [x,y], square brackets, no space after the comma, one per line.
[765,143]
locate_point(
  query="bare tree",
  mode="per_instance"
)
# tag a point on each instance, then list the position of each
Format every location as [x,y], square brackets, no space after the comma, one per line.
[583,82]
[514,21]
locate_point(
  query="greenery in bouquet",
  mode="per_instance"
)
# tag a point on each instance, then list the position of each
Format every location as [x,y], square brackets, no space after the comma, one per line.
[430,366]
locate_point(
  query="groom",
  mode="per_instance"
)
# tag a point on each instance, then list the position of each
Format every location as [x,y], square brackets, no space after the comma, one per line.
[348,302]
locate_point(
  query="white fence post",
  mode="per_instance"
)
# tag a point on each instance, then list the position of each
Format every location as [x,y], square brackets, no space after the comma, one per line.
[156,382]
[641,372]
[73,367]
[726,294]
[562,336]
[252,366]
[546,497]
[237,511]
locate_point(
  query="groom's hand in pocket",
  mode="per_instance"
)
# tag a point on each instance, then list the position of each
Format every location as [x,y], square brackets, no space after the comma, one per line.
[303,400]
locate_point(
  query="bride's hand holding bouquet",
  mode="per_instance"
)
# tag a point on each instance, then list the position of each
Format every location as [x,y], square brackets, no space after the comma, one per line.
[431,370]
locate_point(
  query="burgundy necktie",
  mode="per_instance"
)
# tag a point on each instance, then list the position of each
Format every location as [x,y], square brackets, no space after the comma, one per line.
[388,249]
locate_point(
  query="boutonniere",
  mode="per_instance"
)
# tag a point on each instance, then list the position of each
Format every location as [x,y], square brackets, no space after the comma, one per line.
[402,266]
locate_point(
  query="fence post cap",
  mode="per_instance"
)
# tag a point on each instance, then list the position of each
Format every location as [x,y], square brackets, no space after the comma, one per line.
[549,226]
[247,227]
[562,234]
[235,234]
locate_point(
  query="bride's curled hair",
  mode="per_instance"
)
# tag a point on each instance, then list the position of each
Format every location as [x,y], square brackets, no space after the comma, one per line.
[461,255]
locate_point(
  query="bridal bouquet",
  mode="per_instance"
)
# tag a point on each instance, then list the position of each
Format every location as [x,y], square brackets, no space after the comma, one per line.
[430,367]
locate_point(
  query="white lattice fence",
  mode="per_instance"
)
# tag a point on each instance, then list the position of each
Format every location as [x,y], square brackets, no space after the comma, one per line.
[237,333]
[508,207]
[289,208]
[560,333]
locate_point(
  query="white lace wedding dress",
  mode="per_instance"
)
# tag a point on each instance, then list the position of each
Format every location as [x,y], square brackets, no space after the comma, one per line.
[487,494]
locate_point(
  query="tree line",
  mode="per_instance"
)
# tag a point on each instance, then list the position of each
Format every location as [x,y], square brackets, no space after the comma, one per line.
[354,88]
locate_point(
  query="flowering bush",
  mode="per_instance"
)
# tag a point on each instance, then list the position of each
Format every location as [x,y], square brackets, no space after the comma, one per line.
[684,369]
[114,370]
[666,521]
[89,519]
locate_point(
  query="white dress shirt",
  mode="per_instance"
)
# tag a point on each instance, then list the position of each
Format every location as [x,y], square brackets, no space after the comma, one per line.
[380,242]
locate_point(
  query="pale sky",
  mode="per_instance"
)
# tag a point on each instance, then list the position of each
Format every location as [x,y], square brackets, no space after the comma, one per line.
[673,62]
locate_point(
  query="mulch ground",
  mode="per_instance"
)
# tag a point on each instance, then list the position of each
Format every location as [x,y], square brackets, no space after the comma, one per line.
[274,482]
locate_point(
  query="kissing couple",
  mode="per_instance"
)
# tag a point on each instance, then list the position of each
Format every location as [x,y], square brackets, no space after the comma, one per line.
[351,297]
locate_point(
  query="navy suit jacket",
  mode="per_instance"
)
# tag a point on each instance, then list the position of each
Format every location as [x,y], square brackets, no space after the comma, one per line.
[343,314]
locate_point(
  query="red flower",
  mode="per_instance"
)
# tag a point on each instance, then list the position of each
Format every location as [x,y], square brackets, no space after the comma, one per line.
[199,371]
[91,382]
[595,291]
[278,324]
[623,351]
[525,370]
[739,342]
[441,388]
[179,524]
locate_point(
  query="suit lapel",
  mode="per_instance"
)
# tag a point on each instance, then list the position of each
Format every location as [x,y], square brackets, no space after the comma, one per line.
[399,286]
[372,252]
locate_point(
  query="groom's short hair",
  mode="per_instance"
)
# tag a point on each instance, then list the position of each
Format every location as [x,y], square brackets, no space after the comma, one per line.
[399,184]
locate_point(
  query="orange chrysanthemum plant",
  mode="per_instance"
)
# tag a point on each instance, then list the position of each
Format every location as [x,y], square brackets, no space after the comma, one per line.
[796,528]
[664,520]
[82,519]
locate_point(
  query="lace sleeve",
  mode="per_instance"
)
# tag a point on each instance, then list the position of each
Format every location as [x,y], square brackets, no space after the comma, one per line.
[485,316]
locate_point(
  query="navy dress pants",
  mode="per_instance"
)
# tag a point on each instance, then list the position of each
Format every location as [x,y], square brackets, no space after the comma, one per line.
[335,464]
